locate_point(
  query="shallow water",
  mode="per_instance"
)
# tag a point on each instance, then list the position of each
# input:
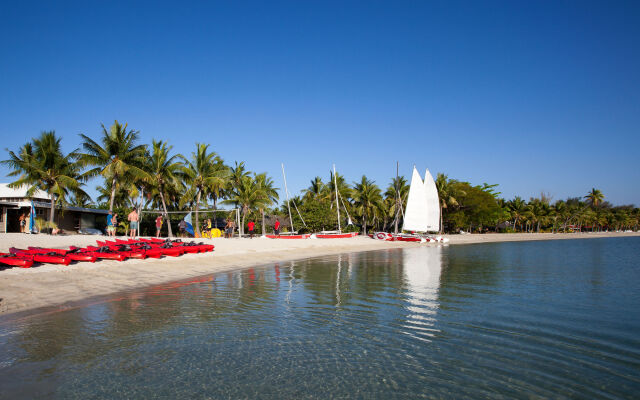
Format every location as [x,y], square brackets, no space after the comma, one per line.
[530,319]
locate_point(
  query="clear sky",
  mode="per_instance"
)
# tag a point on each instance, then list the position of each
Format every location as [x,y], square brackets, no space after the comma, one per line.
[536,96]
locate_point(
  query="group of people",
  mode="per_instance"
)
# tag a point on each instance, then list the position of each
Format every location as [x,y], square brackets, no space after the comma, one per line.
[133,218]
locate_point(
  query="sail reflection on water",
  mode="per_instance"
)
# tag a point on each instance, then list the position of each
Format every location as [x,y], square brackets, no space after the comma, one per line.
[422,267]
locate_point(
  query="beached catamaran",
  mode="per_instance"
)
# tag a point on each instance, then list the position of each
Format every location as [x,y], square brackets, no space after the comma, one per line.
[422,214]
[335,234]
[293,234]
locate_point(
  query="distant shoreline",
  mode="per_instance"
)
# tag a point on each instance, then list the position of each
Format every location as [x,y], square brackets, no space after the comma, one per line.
[53,285]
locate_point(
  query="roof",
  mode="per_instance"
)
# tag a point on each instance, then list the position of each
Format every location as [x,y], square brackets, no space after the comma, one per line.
[21,192]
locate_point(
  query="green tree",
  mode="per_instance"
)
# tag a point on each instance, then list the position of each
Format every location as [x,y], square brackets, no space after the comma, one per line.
[447,192]
[268,195]
[367,197]
[248,195]
[119,157]
[517,206]
[594,197]
[164,172]
[41,165]
[200,173]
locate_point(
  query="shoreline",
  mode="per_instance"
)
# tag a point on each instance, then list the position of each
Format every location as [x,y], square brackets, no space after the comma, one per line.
[24,289]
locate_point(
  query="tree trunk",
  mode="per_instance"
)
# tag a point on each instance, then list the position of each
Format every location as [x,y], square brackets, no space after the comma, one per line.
[113,192]
[364,223]
[52,213]
[441,221]
[241,229]
[264,228]
[197,232]
[164,206]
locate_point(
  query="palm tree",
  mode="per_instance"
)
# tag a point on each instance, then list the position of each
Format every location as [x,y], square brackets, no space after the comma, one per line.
[366,198]
[344,190]
[164,173]
[518,207]
[41,165]
[396,197]
[248,195]
[594,197]
[202,172]
[315,190]
[447,194]
[268,195]
[117,158]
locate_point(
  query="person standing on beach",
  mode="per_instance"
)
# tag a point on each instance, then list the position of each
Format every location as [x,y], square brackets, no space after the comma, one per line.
[109,224]
[133,223]
[251,225]
[23,222]
[276,228]
[114,224]
[158,225]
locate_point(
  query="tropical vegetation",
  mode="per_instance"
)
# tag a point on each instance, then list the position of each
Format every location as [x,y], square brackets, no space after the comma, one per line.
[153,178]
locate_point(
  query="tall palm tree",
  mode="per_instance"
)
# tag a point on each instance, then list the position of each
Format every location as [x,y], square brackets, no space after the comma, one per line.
[594,197]
[315,190]
[518,207]
[367,197]
[344,190]
[248,195]
[396,197]
[268,195]
[164,173]
[202,172]
[447,194]
[41,165]
[118,156]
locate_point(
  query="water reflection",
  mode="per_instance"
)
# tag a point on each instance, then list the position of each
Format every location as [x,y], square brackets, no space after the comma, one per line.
[422,267]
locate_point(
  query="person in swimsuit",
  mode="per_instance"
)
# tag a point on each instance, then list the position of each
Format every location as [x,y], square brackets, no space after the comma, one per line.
[133,223]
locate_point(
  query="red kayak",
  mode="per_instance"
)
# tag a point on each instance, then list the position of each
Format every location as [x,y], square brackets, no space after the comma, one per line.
[50,258]
[188,247]
[16,261]
[73,255]
[107,255]
[126,253]
[136,250]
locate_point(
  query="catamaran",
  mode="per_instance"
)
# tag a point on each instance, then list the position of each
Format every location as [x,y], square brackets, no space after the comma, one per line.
[293,234]
[422,214]
[336,234]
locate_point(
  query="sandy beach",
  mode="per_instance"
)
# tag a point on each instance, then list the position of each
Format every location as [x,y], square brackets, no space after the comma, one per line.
[24,289]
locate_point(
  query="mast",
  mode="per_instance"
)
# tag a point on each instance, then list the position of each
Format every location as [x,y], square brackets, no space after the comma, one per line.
[287,193]
[395,228]
[335,182]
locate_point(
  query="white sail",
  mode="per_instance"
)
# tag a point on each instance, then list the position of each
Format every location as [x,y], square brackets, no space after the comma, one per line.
[432,203]
[415,216]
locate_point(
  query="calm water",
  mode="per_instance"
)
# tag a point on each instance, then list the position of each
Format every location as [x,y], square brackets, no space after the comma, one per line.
[539,319]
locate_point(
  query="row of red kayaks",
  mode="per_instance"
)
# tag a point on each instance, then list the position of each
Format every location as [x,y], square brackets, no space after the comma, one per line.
[118,250]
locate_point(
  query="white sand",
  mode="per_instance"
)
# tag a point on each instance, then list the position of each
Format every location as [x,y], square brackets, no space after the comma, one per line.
[49,285]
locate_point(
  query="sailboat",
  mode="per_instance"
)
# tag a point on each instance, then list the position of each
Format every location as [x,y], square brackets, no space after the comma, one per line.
[335,234]
[422,214]
[293,234]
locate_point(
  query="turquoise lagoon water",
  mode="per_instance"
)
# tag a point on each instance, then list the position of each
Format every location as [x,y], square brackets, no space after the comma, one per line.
[556,319]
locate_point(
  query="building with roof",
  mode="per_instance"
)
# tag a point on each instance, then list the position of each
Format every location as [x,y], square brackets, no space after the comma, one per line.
[15,202]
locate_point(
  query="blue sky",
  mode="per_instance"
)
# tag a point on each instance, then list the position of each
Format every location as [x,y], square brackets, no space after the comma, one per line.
[534,96]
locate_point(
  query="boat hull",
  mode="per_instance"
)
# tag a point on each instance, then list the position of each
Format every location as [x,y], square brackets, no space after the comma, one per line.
[304,236]
[336,235]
